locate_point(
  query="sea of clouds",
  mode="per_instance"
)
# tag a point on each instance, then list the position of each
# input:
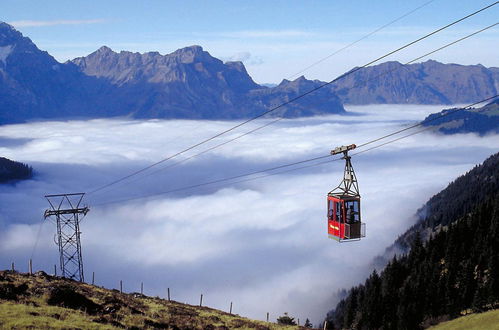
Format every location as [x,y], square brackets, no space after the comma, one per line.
[261,244]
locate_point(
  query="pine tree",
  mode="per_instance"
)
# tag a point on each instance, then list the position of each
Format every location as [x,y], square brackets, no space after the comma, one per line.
[286,319]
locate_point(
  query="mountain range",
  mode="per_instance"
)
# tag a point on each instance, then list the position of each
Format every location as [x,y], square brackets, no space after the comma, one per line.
[190,83]
[429,82]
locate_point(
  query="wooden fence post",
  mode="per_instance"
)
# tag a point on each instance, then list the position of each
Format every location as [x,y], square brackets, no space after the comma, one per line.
[30,266]
[267,316]
[55,270]
[121,286]
[93,278]
[168,294]
[13,267]
[141,287]
[230,310]
[201,300]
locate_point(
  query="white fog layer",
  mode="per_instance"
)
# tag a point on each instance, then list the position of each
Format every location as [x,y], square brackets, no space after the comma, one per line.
[260,244]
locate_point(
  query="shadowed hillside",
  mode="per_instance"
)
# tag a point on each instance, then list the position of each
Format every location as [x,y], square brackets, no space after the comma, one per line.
[12,171]
[482,121]
[454,271]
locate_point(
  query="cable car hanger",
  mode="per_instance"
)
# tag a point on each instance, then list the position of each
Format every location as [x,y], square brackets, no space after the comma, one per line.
[343,203]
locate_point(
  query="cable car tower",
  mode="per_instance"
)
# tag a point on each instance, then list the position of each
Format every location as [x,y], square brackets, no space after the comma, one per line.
[68,213]
[343,204]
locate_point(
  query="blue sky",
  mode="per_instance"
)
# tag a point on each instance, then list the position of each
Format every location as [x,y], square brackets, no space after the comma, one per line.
[275,39]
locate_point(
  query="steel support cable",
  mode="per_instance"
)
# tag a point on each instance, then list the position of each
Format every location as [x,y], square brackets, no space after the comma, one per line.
[278,119]
[293,99]
[218,180]
[360,39]
[303,70]
[299,162]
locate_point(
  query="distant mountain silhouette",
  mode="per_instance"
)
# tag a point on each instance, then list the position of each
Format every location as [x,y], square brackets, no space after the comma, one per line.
[13,171]
[430,82]
[34,85]
[483,120]
[188,83]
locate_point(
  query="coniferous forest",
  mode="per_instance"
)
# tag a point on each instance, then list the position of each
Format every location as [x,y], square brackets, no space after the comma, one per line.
[452,273]
[11,170]
[456,271]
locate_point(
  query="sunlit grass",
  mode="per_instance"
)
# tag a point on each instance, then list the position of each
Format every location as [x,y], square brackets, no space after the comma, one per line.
[480,321]
[21,316]
[107,309]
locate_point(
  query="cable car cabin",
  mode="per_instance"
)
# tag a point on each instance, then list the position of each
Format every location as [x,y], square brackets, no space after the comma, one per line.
[343,204]
[343,222]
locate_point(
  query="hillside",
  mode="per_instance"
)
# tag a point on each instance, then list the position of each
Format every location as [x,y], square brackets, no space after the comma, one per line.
[451,268]
[445,207]
[13,171]
[479,321]
[482,120]
[430,82]
[456,271]
[46,302]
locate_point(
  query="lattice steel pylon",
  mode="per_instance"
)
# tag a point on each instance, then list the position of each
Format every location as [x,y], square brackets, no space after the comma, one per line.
[68,213]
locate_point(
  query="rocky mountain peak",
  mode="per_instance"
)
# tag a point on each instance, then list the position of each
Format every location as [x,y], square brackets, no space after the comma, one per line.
[104,50]
[10,36]
[193,54]
[298,84]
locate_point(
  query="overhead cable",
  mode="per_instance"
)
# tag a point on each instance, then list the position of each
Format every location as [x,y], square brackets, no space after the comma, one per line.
[281,118]
[245,175]
[360,39]
[293,99]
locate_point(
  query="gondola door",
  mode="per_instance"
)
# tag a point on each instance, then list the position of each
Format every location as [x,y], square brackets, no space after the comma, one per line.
[336,216]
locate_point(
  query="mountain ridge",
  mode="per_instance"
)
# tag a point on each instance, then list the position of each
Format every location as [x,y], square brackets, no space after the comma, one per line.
[429,82]
[188,83]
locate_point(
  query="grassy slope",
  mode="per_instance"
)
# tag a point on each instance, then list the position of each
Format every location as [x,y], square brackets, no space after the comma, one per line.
[46,302]
[481,321]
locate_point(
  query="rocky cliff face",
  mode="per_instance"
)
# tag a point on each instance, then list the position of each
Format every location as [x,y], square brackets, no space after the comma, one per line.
[430,82]
[190,83]
[316,103]
[34,85]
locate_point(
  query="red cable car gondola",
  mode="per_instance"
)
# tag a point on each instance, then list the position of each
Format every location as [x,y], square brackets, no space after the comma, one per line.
[343,204]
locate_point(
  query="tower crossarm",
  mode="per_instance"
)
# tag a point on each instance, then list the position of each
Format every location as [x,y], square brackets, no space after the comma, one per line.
[82,210]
